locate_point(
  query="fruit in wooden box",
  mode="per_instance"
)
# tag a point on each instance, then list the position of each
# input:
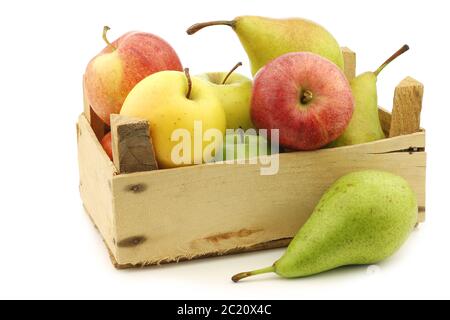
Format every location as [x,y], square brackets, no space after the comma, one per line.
[306,97]
[112,74]
[234,92]
[107,145]
[265,39]
[175,104]
[365,125]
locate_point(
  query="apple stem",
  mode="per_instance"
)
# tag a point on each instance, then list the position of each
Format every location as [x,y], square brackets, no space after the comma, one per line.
[244,275]
[199,26]
[189,80]
[392,58]
[105,38]
[239,64]
[306,97]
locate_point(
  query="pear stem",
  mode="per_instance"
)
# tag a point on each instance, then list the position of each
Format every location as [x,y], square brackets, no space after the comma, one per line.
[105,38]
[189,80]
[231,72]
[392,58]
[244,275]
[199,26]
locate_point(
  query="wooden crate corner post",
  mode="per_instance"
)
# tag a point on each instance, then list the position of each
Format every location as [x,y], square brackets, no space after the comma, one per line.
[406,112]
[132,145]
[349,63]
[407,108]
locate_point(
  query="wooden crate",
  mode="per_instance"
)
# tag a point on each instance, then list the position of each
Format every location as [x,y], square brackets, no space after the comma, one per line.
[162,216]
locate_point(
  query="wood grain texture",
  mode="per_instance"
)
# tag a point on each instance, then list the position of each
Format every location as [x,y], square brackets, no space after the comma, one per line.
[385,120]
[132,145]
[281,243]
[96,176]
[86,105]
[407,107]
[205,210]
[349,63]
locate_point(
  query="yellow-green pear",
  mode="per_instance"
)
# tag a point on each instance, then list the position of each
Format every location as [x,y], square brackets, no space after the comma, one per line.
[265,39]
[364,218]
[234,92]
[365,125]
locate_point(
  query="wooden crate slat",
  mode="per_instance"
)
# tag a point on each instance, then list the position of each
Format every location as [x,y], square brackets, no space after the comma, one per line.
[407,107]
[96,175]
[132,145]
[191,212]
[349,63]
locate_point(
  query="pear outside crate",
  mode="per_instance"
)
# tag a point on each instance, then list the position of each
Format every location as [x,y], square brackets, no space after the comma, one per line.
[148,217]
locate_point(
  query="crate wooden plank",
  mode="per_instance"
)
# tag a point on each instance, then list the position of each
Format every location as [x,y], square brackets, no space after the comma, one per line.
[185,213]
[406,112]
[132,145]
[385,120]
[349,63]
[153,230]
[407,107]
[96,175]
[390,145]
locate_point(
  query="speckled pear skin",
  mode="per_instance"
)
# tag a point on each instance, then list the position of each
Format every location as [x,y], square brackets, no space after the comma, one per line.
[365,125]
[364,218]
[265,39]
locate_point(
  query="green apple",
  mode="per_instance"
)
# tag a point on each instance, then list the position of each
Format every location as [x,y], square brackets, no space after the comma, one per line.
[243,146]
[175,104]
[234,92]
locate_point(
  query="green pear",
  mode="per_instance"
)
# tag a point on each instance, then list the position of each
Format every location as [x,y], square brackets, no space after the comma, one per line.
[365,125]
[234,92]
[364,218]
[266,39]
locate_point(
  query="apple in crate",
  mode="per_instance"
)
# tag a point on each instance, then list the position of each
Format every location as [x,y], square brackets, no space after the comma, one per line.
[307,97]
[107,145]
[179,109]
[112,74]
[234,92]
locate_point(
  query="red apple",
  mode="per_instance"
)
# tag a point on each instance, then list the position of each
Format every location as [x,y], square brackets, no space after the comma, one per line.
[107,145]
[112,74]
[306,97]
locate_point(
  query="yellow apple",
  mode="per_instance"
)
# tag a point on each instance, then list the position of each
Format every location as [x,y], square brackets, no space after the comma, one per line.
[173,102]
[235,95]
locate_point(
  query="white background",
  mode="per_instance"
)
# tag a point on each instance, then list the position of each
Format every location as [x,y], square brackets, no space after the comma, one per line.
[48,246]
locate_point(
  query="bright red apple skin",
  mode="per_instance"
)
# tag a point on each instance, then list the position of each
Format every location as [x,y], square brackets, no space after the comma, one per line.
[276,100]
[107,145]
[112,74]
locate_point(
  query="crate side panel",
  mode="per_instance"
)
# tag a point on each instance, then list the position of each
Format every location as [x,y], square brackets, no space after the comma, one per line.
[390,145]
[96,173]
[179,214]
[385,120]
